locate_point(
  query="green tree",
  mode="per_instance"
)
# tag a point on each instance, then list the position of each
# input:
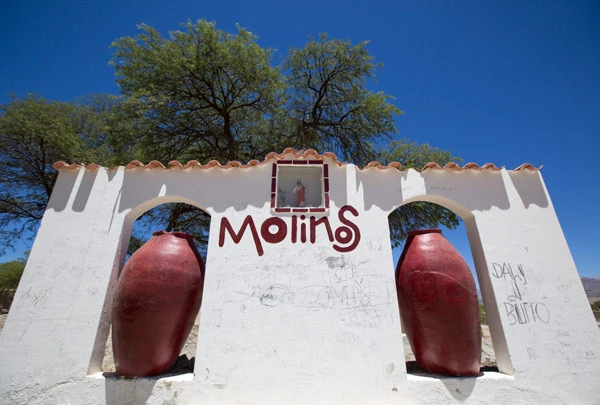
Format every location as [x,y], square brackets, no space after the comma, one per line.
[172,217]
[114,123]
[203,94]
[34,134]
[11,272]
[206,94]
[330,104]
[416,215]
[482,315]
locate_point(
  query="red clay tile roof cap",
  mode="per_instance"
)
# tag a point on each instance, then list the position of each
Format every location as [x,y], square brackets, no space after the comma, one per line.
[287,154]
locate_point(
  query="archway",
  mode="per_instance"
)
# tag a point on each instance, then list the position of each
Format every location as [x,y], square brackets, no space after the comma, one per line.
[168,213]
[459,227]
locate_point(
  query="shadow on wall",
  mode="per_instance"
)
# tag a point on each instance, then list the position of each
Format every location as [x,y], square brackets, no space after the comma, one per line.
[128,390]
[530,188]
[216,189]
[65,186]
[460,388]
[473,190]
[62,190]
[338,186]
[84,190]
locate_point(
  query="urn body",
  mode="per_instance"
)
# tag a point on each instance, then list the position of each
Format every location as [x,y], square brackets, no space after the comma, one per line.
[438,305]
[156,302]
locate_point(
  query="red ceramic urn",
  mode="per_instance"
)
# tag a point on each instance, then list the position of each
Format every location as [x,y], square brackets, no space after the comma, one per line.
[156,302]
[438,305]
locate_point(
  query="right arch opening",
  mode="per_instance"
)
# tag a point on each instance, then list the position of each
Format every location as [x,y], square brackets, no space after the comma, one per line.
[460,229]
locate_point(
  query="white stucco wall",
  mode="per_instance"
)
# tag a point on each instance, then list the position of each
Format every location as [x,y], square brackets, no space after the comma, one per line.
[301,322]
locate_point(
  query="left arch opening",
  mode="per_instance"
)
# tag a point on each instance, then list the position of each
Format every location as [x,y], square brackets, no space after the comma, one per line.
[170,214]
[171,217]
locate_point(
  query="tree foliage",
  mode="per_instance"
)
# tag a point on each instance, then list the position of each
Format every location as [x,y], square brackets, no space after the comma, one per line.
[482,315]
[205,93]
[202,93]
[421,214]
[173,217]
[10,273]
[208,94]
[35,133]
[330,103]
[118,123]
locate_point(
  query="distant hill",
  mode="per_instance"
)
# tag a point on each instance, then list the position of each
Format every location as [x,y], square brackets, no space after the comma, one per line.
[591,285]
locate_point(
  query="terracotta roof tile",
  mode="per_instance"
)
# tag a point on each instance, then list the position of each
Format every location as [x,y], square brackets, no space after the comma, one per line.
[60,165]
[432,165]
[378,165]
[453,166]
[133,164]
[528,166]
[287,154]
[155,164]
[491,166]
[456,167]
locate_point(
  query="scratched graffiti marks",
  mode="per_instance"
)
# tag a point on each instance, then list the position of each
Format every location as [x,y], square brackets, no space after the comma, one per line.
[349,290]
[517,308]
[352,288]
[38,298]
[362,299]
[518,279]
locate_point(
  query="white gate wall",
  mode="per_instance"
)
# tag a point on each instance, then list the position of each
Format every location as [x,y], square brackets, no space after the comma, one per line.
[293,321]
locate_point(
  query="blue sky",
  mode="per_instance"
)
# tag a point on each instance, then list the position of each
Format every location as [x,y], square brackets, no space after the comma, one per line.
[505,82]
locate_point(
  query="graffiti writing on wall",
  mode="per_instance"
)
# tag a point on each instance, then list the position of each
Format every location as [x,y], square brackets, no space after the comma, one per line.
[274,230]
[367,301]
[518,309]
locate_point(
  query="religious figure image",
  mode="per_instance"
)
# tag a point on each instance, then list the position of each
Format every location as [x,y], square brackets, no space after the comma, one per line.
[300,192]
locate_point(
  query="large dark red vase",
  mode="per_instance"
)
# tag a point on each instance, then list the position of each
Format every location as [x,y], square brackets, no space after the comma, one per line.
[156,302]
[438,305]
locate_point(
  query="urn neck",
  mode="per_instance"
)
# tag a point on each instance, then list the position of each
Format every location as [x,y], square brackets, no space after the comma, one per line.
[409,238]
[412,234]
[177,234]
